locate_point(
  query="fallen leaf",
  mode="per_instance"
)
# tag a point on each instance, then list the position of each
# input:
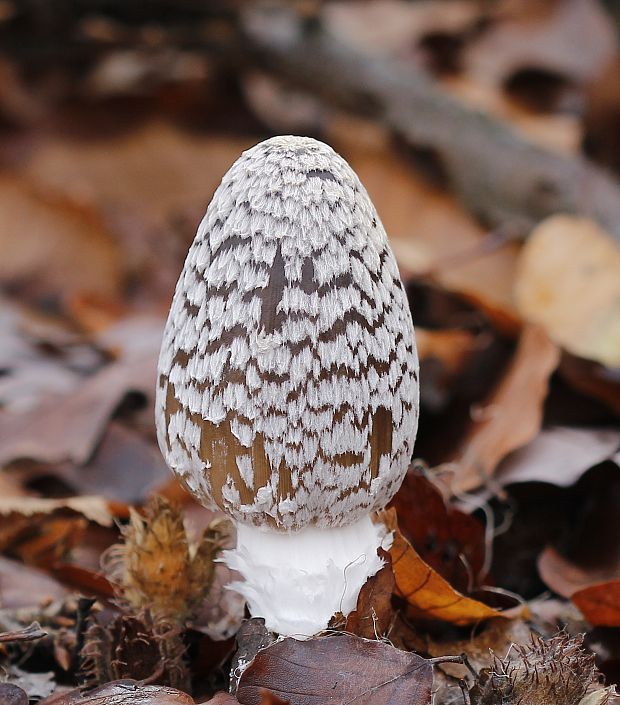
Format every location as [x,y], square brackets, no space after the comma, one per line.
[221,698]
[567,578]
[373,613]
[337,669]
[593,380]
[24,586]
[123,692]
[559,456]
[93,508]
[105,474]
[140,205]
[29,374]
[430,595]
[568,281]
[600,697]
[602,102]
[600,604]
[12,695]
[447,539]
[37,685]
[69,428]
[512,416]
[77,253]
[269,698]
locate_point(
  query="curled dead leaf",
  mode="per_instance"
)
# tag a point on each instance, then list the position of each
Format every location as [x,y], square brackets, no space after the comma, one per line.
[512,415]
[430,595]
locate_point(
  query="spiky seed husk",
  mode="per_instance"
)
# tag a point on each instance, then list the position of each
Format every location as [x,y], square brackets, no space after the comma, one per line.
[557,671]
[134,647]
[158,568]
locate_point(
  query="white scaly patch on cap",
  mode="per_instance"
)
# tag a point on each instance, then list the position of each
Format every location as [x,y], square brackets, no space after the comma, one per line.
[288,375]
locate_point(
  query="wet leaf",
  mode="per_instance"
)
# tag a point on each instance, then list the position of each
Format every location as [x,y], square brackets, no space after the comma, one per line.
[568,281]
[335,670]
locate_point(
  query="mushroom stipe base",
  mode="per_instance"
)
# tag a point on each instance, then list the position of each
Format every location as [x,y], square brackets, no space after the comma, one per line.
[297,581]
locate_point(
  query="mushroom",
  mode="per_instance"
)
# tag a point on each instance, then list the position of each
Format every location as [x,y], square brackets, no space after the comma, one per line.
[288,379]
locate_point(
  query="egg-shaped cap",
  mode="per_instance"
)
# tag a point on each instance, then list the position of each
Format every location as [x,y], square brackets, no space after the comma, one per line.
[288,374]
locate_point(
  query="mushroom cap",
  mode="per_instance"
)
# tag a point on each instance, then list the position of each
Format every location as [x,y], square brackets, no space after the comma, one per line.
[288,375]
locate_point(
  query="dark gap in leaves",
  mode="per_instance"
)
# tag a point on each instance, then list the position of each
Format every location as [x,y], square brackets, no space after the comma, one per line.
[425,160]
[442,52]
[535,515]
[566,406]
[593,510]
[540,90]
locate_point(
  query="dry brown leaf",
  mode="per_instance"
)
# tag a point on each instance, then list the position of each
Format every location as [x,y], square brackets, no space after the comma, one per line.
[568,281]
[24,586]
[69,428]
[52,245]
[567,578]
[337,669]
[373,613]
[124,692]
[152,184]
[600,604]
[93,508]
[512,416]
[156,171]
[431,596]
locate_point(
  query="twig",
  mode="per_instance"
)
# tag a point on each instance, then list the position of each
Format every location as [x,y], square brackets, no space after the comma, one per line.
[499,175]
[30,633]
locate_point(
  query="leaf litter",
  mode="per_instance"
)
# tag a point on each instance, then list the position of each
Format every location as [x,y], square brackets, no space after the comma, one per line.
[508,536]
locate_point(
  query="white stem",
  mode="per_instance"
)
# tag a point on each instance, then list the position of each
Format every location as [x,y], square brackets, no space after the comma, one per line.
[298,581]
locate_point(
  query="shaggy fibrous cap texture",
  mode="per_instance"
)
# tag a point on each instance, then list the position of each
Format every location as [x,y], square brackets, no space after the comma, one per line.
[288,375]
